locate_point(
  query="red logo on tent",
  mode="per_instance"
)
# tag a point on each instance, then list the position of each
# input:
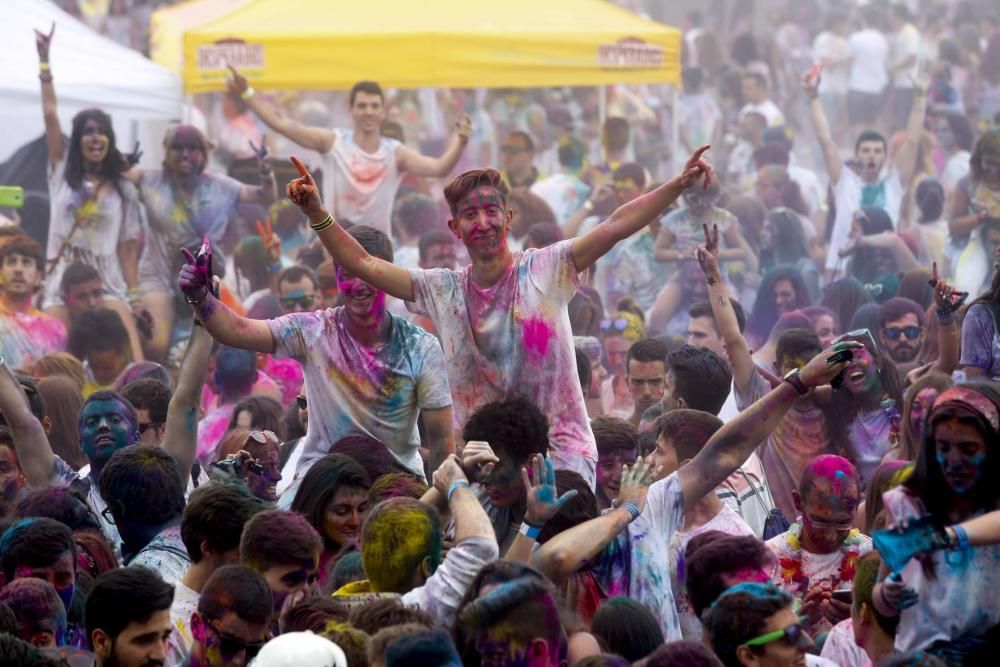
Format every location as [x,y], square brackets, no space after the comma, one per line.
[630,52]
[231,51]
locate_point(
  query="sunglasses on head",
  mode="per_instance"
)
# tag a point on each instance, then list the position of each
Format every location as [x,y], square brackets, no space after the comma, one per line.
[305,301]
[795,634]
[621,324]
[911,332]
[229,645]
[863,336]
[263,437]
[148,425]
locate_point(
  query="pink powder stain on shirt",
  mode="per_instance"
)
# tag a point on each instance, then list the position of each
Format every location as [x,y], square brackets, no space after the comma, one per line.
[535,335]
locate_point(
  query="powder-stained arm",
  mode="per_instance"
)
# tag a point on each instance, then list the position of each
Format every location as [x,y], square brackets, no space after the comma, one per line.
[412,162]
[346,252]
[234,330]
[733,443]
[181,435]
[34,454]
[636,214]
[438,435]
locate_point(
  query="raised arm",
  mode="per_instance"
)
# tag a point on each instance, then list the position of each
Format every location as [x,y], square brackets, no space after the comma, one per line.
[569,550]
[181,435]
[947,300]
[54,139]
[906,158]
[34,454]
[470,518]
[733,443]
[821,126]
[220,321]
[319,139]
[572,226]
[346,252]
[542,502]
[722,310]
[413,162]
[267,192]
[633,216]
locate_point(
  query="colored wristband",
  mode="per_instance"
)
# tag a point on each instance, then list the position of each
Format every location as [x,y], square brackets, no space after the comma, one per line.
[529,531]
[43,67]
[248,93]
[320,226]
[945,317]
[961,542]
[632,509]
[455,486]
[588,205]
[274,268]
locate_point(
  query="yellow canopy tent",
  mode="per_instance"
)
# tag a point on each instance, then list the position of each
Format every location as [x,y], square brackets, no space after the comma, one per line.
[331,44]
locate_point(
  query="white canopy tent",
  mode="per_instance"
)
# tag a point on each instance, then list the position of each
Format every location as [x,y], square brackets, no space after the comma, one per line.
[89,70]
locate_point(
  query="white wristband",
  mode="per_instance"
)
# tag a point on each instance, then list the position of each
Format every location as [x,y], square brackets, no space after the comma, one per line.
[248,93]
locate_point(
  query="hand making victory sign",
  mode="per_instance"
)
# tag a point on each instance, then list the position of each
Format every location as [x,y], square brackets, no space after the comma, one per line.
[272,244]
[43,41]
[263,163]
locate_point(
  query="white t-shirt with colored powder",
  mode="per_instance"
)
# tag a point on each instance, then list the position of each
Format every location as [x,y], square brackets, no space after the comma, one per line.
[359,186]
[851,193]
[359,390]
[514,339]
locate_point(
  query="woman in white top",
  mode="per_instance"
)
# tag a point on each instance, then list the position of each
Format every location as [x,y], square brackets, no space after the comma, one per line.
[956,603]
[95,218]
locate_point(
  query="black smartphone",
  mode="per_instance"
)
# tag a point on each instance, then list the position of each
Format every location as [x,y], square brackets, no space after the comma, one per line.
[844,595]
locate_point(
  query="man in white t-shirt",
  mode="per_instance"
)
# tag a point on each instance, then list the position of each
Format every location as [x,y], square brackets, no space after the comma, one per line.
[904,65]
[362,169]
[869,180]
[503,320]
[757,98]
[868,77]
[367,372]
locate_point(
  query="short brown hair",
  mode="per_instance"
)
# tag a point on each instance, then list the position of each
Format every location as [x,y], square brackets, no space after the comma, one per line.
[465,183]
[385,613]
[22,244]
[370,87]
[614,434]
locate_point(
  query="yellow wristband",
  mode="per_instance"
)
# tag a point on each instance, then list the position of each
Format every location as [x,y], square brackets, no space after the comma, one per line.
[43,66]
[248,93]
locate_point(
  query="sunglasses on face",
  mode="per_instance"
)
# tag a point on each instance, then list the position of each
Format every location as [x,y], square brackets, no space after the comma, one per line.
[229,645]
[863,336]
[911,332]
[291,303]
[302,402]
[263,437]
[829,525]
[512,150]
[180,148]
[795,634]
[621,324]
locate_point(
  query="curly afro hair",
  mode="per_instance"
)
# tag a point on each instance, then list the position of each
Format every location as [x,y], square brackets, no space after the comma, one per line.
[515,429]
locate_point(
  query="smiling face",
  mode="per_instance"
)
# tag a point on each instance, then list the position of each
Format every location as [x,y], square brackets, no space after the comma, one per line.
[20,275]
[344,515]
[367,111]
[960,450]
[105,427]
[363,303]
[871,155]
[785,297]
[94,142]
[862,373]
[482,222]
[185,154]
[609,474]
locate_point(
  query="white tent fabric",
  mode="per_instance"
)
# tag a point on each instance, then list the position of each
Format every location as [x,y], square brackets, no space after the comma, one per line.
[89,70]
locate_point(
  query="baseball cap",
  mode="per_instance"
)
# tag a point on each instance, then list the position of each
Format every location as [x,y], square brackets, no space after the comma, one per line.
[300,649]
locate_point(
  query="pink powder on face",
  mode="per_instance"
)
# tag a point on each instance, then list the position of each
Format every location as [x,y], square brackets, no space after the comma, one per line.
[536,334]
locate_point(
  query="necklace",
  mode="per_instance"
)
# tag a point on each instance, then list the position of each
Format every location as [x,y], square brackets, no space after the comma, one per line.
[791,565]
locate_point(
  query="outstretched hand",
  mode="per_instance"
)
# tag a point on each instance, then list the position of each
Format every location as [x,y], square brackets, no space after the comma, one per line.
[543,499]
[463,127]
[133,158]
[303,191]
[43,41]
[811,79]
[697,168]
[195,279]
[272,244]
[708,254]
[263,163]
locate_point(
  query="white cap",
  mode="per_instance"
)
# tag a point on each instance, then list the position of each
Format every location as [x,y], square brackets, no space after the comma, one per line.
[300,649]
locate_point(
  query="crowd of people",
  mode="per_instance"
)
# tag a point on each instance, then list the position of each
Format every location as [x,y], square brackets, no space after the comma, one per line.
[319,394]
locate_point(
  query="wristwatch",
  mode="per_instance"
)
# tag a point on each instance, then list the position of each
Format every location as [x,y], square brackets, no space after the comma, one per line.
[792,378]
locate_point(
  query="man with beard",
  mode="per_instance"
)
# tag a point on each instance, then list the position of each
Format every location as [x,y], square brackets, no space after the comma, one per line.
[901,329]
[128,618]
[367,371]
[26,333]
[869,180]
[503,320]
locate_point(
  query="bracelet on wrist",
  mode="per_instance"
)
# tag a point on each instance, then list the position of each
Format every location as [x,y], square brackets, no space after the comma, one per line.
[529,531]
[455,486]
[43,66]
[632,509]
[588,205]
[194,301]
[945,316]
[961,538]
[274,268]
[44,77]
[248,93]
[323,224]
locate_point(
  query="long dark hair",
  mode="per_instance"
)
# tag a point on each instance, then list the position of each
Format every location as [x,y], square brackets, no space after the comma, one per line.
[114,164]
[321,483]
[764,313]
[788,242]
[927,481]
[844,297]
